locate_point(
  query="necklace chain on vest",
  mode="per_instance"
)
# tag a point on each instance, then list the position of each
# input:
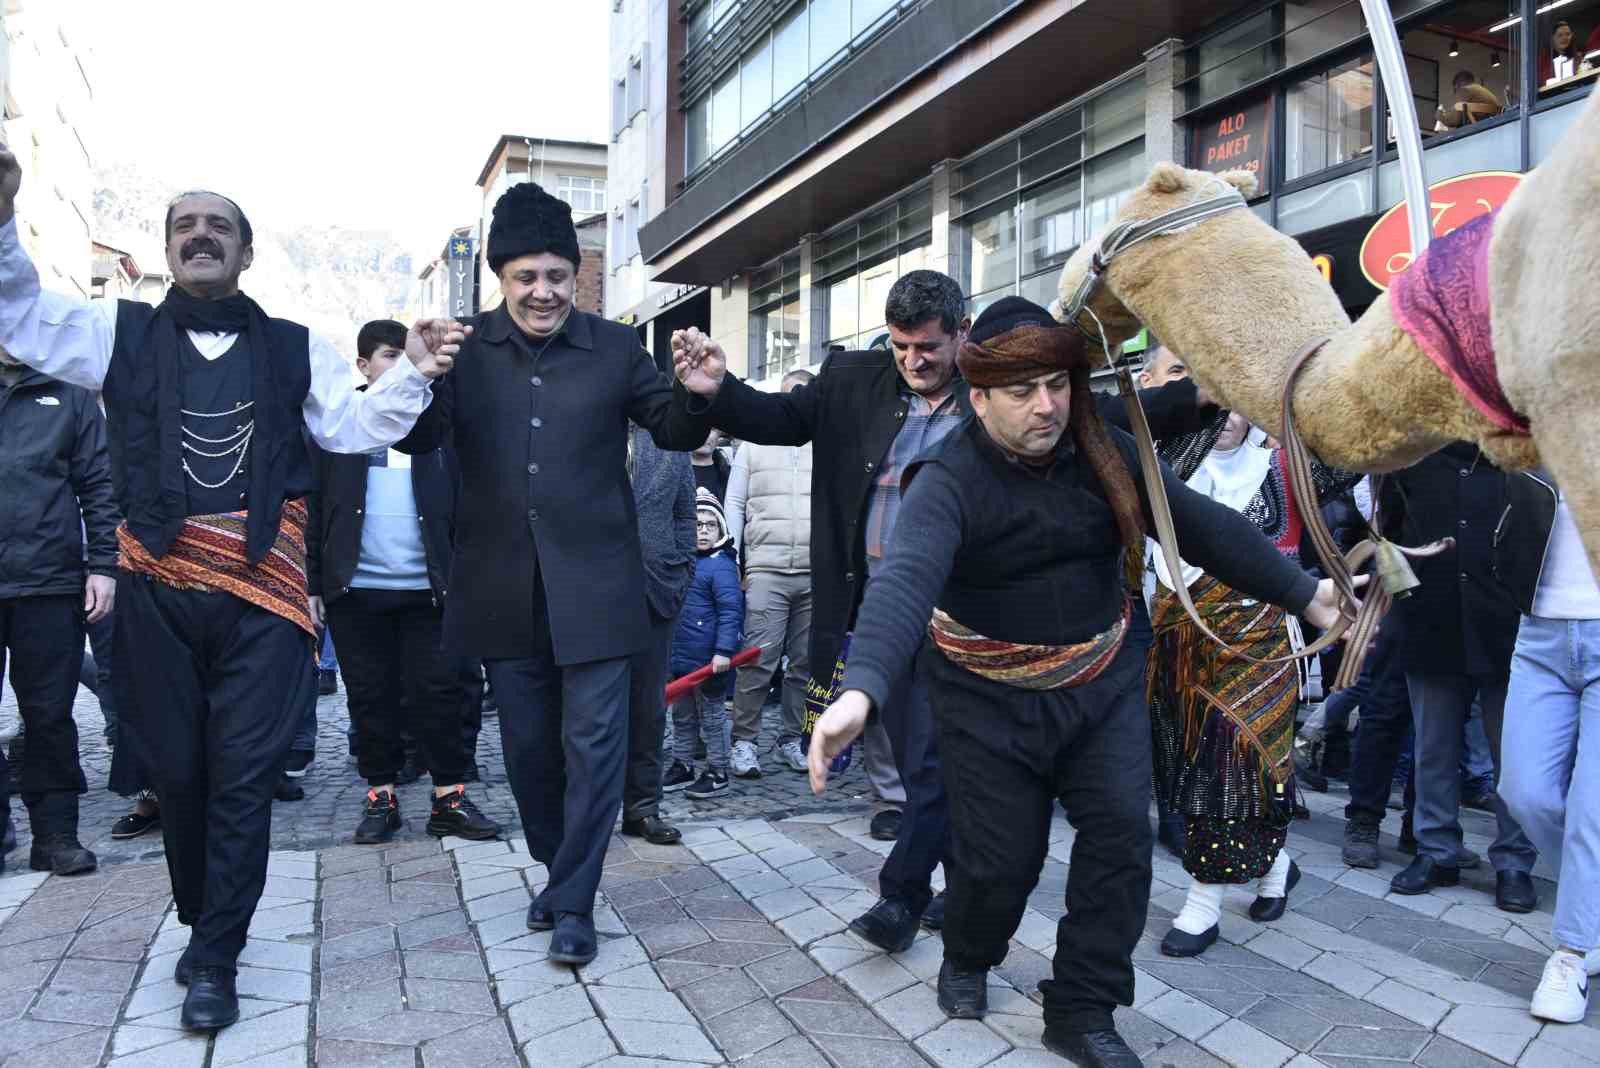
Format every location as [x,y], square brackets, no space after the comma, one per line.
[236,442]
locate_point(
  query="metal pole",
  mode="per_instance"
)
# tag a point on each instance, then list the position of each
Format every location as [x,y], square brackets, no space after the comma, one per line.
[1407,132]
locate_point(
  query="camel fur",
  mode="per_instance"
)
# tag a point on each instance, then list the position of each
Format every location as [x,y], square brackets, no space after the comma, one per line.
[1237,300]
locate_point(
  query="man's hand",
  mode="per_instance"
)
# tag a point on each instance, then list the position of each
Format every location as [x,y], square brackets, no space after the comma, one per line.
[720,664]
[698,361]
[840,725]
[10,182]
[1323,611]
[100,592]
[319,615]
[432,344]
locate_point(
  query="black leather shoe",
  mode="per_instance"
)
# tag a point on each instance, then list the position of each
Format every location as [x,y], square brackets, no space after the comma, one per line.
[885,826]
[1514,892]
[184,968]
[1091,1049]
[652,829]
[890,925]
[573,941]
[1422,875]
[1183,944]
[963,995]
[540,918]
[1171,834]
[288,790]
[933,915]
[212,1002]
[1267,909]
[61,854]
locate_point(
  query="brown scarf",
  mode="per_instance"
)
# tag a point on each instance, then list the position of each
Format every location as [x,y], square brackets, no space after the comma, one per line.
[1027,352]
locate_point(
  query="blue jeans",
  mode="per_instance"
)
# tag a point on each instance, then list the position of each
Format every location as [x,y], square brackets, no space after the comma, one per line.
[1550,763]
[326,660]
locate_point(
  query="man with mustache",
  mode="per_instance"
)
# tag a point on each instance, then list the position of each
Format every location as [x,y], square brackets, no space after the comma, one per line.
[547,582]
[205,401]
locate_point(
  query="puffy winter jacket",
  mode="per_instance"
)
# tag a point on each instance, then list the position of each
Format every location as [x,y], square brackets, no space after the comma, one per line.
[769,507]
[712,614]
[55,489]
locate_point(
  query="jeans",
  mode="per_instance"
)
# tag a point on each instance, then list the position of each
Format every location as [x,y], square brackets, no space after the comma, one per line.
[1550,763]
[1440,704]
[777,617]
[702,711]
[326,659]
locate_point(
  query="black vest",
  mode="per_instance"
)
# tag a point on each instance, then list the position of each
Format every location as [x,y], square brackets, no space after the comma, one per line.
[145,432]
[1040,557]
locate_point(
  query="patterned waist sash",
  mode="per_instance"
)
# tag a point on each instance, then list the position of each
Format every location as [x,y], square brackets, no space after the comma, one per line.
[1028,667]
[209,555]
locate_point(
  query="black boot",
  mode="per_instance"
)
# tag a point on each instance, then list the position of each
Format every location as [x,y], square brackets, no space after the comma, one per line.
[213,999]
[933,915]
[652,829]
[963,995]
[540,918]
[1091,1049]
[184,968]
[573,940]
[55,836]
[890,925]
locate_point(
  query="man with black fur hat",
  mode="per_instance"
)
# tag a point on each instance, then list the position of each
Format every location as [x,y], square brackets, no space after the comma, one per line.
[548,587]
[205,399]
[1024,527]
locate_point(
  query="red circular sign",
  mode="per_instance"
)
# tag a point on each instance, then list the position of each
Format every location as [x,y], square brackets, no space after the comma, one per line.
[1387,248]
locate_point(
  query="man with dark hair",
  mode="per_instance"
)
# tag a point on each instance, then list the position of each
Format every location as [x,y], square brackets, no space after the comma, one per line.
[548,585]
[378,566]
[205,399]
[869,415]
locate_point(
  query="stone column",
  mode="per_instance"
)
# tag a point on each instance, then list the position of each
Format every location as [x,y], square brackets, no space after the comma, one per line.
[1163,136]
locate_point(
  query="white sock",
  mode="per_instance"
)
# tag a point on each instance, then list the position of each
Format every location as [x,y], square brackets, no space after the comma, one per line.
[1202,910]
[1276,881]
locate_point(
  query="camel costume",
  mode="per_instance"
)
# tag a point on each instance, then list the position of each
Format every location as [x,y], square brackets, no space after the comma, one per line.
[1237,300]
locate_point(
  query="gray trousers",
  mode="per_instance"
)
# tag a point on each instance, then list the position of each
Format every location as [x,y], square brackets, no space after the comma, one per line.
[777,617]
[1440,705]
[647,723]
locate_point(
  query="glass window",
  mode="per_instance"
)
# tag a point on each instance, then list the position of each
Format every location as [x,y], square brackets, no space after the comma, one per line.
[1233,58]
[698,133]
[1328,118]
[830,30]
[1114,117]
[586,195]
[755,83]
[992,249]
[619,106]
[1463,65]
[789,54]
[1496,149]
[1054,146]
[700,25]
[1323,205]
[725,112]
[856,265]
[1312,27]
[720,9]
[1052,224]
[1549,127]
[636,87]
[775,319]
[844,306]
[1568,39]
[863,13]
[1111,178]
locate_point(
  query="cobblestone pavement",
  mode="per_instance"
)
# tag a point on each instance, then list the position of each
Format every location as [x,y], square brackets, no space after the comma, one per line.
[732,948]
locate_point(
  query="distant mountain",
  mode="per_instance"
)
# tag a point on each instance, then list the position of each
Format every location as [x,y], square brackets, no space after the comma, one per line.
[328,277]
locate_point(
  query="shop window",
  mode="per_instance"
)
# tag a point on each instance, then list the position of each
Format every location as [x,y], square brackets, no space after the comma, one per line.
[775,319]
[1463,63]
[1568,39]
[1347,197]
[1549,127]
[1328,118]
[1237,138]
[1109,181]
[1313,27]
[1228,61]
[1496,149]
[856,265]
[1114,117]
[1052,225]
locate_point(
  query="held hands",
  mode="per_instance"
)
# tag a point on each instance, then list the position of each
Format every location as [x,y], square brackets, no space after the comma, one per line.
[99,595]
[720,664]
[1323,611]
[319,613]
[698,361]
[10,182]
[432,344]
[840,725]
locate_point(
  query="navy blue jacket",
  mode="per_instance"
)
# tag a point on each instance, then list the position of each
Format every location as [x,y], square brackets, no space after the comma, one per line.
[712,614]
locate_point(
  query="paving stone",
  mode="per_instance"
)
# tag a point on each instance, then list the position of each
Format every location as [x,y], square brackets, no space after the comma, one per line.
[808,926]
[111,976]
[744,931]
[94,1007]
[728,989]
[274,985]
[427,964]
[1415,1005]
[252,1038]
[638,977]
[962,1044]
[1372,1042]
[338,1053]
[284,956]
[358,946]
[668,938]
[1443,1052]
[347,1008]
[834,1018]
[784,972]
[1242,1045]
[550,1012]
[795,1052]
[575,1046]
[410,1027]
[850,1051]
[616,954]
[1290,1024]
[876,978]
[727,954]
[675,975]
[682,1042]
[749,1029]
[617,1003]
[359,973]
[84,1048]
[1502,1033]
[1184,1014]
[483,1044]
[172,1055]
[448,995]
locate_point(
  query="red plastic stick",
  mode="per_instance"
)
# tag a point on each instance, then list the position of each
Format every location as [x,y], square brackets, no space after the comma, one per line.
[680,686]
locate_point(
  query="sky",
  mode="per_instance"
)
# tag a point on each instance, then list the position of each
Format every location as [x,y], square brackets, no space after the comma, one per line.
[340,112]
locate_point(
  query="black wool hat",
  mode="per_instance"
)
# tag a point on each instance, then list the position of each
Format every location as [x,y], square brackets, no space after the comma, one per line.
[528,221]
[1006,314]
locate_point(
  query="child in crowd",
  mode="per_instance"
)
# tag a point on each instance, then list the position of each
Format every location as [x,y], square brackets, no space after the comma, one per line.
[707,632]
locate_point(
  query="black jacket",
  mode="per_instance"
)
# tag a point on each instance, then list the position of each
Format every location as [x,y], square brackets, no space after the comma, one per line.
[1461,620]
[53,468]
[541,432]
[851,413]
[1522,535]
[333,536]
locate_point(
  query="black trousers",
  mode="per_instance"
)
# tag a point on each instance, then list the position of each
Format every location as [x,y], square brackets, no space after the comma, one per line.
[647,722]
[564,733]
[388,642]
[925,820]
[1009,756]
[44,636]
[1381,731]
[209,713]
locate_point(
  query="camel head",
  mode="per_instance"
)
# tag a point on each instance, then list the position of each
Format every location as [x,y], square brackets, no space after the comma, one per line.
[1167,188]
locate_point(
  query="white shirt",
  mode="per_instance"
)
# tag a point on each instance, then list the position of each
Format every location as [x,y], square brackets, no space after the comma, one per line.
[72,339]
[1567,588]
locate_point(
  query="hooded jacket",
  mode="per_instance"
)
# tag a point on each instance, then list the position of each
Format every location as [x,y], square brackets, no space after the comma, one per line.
[712,616]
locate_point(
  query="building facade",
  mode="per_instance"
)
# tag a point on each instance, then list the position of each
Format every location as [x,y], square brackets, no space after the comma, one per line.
[815,150]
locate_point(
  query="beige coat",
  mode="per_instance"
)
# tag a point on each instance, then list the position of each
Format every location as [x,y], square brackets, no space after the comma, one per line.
[769,507]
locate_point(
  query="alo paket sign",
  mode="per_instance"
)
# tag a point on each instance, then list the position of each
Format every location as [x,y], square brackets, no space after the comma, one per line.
[1236,141]
[1455,201]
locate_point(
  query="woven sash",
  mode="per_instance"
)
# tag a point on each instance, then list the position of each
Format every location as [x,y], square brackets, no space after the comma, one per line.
[1028,667]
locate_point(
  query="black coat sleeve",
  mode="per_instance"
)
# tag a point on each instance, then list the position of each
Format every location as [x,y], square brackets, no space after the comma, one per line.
[661,405]
[315,513]
[1171,410]
[91,482]
[750,414]
[434,426]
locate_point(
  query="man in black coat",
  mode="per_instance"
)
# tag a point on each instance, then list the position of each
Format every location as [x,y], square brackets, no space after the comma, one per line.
[548,583]
[869,414]
[56,467]
[1461,626]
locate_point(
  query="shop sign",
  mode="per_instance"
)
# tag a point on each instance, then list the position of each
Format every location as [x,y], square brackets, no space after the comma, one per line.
[1386,251]
[462,265]
[1235,141]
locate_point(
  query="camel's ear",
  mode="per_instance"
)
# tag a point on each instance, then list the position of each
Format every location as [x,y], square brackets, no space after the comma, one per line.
[1167,178]
[1243,181]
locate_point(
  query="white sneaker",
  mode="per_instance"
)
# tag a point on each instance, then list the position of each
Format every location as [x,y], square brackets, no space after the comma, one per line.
[792,756]
[746,765]
[1563,993]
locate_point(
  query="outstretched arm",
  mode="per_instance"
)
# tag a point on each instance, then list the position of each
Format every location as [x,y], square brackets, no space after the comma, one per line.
[341,419]
[747,413]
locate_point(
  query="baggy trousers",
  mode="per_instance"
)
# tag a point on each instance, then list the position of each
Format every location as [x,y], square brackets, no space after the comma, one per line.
[210,710]
[44,636]
[564,732]
[647,722]
[1009,755]
[777,618]
[924,838]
